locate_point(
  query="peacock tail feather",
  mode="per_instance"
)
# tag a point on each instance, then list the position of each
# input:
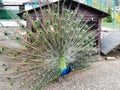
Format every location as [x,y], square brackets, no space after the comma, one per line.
[58,38]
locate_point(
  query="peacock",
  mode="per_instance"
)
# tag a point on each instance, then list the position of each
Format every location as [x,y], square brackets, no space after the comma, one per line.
[58,42]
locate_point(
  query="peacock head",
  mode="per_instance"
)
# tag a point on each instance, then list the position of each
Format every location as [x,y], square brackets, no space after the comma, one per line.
[71,67]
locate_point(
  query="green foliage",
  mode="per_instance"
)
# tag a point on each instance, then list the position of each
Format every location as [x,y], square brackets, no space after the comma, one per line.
[117,17]
[117,2]
[110,25]
[97,5]
[109,18]
[4,14]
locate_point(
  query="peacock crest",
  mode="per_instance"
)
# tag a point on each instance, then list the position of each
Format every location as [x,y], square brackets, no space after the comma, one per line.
[59,41]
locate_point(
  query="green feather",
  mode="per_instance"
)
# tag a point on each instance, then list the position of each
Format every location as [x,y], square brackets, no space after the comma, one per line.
[62,63]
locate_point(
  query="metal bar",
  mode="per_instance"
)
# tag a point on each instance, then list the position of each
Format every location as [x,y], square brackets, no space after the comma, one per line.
[113,20]
[99,37]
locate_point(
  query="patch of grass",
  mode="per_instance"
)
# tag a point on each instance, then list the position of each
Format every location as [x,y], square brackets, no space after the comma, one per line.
[110,25]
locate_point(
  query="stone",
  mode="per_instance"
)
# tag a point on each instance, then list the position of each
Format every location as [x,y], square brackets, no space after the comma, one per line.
[111,58]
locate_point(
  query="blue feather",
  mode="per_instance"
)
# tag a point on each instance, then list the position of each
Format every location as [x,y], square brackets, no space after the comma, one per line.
[66,70]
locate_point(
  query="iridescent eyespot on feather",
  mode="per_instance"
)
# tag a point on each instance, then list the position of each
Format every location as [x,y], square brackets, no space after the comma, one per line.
[23,82]
[3,49]
[36,23]
[56,34]
[15,55]
[86,26]
[18,69]
[25,61]
[6,69]
[47,12]
[25,15]
[17,38]
[49,32]
[55,16]
[36,65]
[26,46]
[22,27]
[34,53]
[40,32]
[36,43]
[11,84]
[63,28]
[5,33]
[90,37]
[30,34]
[56,26]
[63,21]
[48,23]
[44,42]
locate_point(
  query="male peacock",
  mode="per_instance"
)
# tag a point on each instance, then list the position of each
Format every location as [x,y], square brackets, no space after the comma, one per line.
[58,43]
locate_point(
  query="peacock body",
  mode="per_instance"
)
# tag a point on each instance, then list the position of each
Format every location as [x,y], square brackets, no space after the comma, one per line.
[57,44]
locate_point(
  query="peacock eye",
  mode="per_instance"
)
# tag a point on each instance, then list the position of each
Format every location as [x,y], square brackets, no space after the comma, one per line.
[47,11]
[33,53]
[56,34]
[18,69]
[41,60]
[22,27]
[63,28]
[65,10]
[48,23]
[17,39]
[56,26]
[3,49]
[6,69]
[6,34]
[36,43]
[25,15]
[49,32]
[30,35]
[15,55]
[86,26]
[53,40]
[90,37]
[55,16]
[44,42]
[63,20]
[37,23]
[36,65]
[26,46]
[11,84]
[23,81]
[68,25]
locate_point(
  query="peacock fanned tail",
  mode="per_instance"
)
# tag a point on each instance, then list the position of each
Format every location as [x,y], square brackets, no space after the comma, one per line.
[59,38]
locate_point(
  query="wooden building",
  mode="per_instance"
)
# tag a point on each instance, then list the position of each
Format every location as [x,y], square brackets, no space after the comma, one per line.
[89,13]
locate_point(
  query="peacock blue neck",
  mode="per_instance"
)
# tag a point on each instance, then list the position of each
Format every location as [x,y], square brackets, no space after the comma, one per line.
[63,66]
[65,71]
